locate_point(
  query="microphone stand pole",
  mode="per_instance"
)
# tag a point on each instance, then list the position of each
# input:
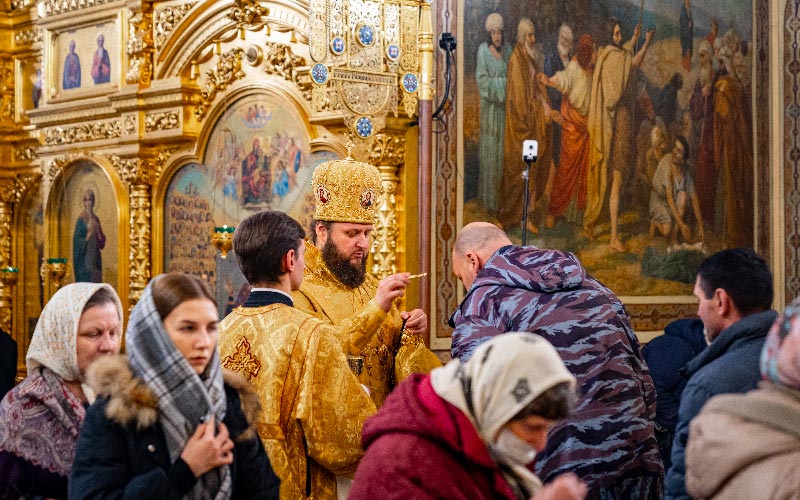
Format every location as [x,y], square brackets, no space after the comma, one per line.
[526,176]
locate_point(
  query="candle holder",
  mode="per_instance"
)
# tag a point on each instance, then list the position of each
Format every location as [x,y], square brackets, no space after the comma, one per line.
[54,270]
[222,239]
[8,275]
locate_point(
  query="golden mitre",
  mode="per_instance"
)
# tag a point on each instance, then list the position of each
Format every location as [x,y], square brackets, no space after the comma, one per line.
[346,191]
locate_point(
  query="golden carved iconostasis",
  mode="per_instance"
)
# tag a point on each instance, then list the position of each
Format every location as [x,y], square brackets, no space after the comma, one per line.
[138,129]
[181,117]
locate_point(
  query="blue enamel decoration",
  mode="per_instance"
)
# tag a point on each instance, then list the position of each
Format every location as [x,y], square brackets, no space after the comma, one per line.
[337,45]
[364,127]
[319,74]
[393,52]
[365,34]
[410,83]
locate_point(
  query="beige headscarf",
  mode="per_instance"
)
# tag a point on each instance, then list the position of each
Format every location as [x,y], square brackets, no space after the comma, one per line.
[54,343]
[502,377]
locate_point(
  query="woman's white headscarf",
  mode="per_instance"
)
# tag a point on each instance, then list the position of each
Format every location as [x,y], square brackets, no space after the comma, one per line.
[54,343]
[502,377]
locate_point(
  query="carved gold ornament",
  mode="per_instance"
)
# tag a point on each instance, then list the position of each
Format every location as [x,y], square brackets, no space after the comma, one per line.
[227,71]
[165,20]
[361,49]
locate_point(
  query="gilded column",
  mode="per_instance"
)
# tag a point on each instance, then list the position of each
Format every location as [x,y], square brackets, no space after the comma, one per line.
[6,217]
[387,151]
[11,192]
[141,239]
[140,174]
[384,245]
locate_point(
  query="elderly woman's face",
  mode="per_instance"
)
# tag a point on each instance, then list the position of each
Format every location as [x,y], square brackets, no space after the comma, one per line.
[99,333]
[531,429]
[192,326]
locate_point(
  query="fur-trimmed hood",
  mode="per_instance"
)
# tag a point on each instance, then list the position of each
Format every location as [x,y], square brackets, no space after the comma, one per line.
[132,403]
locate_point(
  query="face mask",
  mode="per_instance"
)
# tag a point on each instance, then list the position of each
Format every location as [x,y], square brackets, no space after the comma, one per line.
[511,450]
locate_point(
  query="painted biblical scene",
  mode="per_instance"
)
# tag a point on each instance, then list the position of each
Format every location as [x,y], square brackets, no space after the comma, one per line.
[86,58]
[643,117]
[88,230]
[257,158]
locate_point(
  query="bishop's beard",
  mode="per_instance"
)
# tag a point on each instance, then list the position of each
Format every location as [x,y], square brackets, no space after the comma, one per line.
[349,274]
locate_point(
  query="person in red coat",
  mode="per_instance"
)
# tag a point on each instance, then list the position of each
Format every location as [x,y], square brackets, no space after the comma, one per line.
[470,430]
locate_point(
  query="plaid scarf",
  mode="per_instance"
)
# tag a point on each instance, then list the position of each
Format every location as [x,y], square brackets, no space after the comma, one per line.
[184,398]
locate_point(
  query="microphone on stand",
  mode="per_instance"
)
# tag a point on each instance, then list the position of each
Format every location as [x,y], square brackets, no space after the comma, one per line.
[530,153]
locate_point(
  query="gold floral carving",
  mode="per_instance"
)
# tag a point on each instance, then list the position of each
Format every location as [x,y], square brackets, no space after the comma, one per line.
[56,165]
[95,131]
[22,184]
[166,19]
[7,190]
[7,74]
[135,171]
[53,7]
[21,4]
[248,12]
[140,241]
[28,36]
[162,120]
[384,245]
[387,149]
[140,49]
[242,360]
[227,71]
[24,153]
[7,109]
[409,103]
[6,216]
[280,60]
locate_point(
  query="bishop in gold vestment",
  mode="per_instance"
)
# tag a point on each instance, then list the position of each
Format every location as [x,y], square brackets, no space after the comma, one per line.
[363,327]
[337,289]
[307,392]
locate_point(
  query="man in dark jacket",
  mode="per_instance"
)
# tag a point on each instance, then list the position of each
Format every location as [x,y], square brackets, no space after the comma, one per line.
[734,288]
[609,440]
[665,355]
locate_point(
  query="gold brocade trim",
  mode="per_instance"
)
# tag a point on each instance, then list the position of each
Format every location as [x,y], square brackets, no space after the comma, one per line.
[242,360]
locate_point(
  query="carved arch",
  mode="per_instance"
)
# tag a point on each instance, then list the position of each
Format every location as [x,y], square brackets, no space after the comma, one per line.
[192,37]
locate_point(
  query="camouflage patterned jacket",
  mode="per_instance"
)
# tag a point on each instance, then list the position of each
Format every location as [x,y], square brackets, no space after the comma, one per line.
[610,434]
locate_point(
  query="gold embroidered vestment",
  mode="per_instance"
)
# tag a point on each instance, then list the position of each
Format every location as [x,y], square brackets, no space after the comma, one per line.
[363,327]
[296,364]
